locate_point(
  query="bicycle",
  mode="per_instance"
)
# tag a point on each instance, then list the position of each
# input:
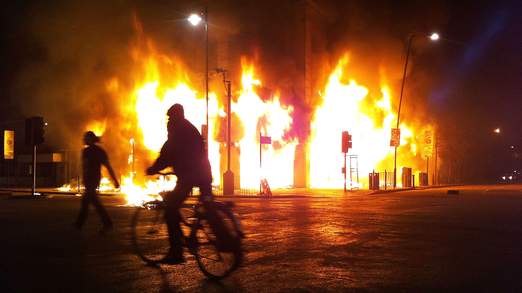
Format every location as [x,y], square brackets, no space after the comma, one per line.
[215,260]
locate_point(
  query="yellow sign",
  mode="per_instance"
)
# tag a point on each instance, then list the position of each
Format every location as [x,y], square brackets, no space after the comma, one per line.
[9,144]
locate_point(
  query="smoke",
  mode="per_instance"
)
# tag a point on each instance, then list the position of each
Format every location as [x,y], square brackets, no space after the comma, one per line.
[80,46]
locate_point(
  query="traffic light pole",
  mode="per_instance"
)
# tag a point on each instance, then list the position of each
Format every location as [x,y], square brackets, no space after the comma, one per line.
[33,189]
[345,172]
[410,40]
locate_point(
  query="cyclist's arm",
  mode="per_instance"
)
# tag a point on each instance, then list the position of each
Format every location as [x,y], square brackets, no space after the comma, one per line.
[164,160]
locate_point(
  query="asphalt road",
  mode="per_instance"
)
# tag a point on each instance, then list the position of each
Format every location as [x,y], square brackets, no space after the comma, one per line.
[402,241]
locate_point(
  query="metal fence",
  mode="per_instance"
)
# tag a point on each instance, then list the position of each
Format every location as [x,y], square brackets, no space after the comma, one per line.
[218,191]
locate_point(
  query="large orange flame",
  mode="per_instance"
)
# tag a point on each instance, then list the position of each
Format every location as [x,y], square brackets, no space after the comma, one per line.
[346,106]
[267,118]
[159,81]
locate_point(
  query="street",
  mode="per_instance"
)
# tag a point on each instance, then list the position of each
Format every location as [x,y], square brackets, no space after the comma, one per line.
[400,241]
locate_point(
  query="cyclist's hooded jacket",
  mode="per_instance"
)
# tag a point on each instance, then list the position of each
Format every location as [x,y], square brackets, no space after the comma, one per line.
[184,151]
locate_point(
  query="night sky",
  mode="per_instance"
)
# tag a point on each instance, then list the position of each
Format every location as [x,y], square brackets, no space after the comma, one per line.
[468,83]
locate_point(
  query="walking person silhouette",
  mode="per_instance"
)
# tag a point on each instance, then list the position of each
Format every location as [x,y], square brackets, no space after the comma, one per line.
[93,157]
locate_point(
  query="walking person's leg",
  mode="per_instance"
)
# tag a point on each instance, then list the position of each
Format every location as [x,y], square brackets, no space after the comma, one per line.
[102,212]
[84,210]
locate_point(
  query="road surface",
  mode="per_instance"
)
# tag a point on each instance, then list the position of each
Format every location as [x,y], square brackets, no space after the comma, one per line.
[401,241]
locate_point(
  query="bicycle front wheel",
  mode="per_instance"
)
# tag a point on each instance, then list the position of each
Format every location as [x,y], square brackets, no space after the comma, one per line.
[213,262]
[150,236]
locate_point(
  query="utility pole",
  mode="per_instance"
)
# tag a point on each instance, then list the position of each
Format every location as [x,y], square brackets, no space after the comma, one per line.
[228,176]
[410,40]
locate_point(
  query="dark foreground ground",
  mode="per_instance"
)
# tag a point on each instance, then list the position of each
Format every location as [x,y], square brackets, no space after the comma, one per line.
[402,241]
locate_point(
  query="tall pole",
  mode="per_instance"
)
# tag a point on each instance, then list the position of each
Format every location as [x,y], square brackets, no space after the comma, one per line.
[33,188]
[428,170]
[410,40]
[260,163]
[229,113]
[436,169]
[345,172]
[206,71]
[228,177]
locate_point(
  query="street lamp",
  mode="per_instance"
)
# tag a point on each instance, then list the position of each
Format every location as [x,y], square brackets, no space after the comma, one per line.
[195,19]
[432,37]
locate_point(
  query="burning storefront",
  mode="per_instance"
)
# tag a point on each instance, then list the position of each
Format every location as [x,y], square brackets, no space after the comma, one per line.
[301,112]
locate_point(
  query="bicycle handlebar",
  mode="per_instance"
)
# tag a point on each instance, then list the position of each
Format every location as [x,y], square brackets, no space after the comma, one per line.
[164,173]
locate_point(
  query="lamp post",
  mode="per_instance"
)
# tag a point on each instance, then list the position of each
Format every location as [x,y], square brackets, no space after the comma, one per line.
[433,37]
[228,177]
[195,19]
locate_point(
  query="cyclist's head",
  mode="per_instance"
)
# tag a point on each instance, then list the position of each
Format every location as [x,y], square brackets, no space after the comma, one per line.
[176,112]
[90,138]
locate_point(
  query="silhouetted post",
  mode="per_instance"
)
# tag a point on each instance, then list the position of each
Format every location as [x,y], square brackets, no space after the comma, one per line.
[260,163]
[33,189]
[410,40]
[385,179]
[206,74]
[228,177]
[428,170]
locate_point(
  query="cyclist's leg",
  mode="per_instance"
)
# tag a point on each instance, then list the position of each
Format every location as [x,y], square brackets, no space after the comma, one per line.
[173,202]
[205,191]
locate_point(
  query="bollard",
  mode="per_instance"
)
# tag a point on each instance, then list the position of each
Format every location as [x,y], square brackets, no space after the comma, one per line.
[385,180]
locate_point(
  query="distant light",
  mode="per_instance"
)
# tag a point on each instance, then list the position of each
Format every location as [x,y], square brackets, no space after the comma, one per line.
[194,19]
[46,124]
[496,130]
[434,36]
[510,177]
[503,177]
[512,147]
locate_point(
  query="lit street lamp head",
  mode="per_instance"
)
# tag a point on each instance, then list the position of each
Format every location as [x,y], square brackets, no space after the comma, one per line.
[496,130]
[434,37]
[194,19]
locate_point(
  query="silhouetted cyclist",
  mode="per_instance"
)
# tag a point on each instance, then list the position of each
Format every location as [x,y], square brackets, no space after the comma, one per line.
[93,157]
[184,152]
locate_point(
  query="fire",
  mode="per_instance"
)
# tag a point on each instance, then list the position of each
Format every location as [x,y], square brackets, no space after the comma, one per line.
[346,106]
[97,126]
[268,118]
[159,81]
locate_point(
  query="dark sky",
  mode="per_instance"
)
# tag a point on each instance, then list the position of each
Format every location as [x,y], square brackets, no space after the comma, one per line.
[468,83]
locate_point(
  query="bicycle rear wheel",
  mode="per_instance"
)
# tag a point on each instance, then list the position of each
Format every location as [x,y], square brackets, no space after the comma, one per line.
[150,236]
[213,262]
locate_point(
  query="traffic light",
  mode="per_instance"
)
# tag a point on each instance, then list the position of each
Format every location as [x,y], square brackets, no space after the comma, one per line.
[34,130]
[346,141]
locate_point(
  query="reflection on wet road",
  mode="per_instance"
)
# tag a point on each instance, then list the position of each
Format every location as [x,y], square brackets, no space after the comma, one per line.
[395,241]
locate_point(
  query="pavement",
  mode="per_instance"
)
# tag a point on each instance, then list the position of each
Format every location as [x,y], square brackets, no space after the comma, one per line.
[408,241]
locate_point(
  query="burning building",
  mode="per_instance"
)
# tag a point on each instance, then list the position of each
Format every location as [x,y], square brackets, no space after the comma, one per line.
[302,96]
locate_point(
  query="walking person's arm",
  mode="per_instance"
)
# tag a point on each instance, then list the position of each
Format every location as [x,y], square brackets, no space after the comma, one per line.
[113,175]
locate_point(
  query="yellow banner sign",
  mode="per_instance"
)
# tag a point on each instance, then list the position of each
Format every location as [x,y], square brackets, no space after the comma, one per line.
[9,144]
